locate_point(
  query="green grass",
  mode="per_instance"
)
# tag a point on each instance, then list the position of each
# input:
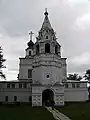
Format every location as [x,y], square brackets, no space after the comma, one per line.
[24,112]
[76,111]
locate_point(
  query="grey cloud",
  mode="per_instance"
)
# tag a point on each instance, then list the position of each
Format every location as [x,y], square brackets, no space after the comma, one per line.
[17,17]
[78,69]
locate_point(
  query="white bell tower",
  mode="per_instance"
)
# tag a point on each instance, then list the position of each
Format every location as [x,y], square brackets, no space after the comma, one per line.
[48,65]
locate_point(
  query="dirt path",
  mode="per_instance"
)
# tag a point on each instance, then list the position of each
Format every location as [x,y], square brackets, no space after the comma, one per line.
[57,115]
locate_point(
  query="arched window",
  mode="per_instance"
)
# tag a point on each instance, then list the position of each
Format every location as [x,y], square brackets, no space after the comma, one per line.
[46,37]
[29,53]
[56,49]
[47,48]
[37,49]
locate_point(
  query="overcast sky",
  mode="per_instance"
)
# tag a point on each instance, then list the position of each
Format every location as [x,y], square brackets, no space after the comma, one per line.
[69,18]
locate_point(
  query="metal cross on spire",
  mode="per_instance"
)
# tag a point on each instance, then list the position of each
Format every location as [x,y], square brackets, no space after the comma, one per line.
[46,13]
[45,9]
[31,33]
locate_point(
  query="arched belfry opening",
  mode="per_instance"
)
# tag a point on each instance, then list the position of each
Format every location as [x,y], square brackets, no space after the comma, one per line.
[47,97]
[37,49]
[47,48]
[56,49]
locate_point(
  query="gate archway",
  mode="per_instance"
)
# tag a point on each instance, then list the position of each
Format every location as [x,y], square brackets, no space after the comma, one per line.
[47,96]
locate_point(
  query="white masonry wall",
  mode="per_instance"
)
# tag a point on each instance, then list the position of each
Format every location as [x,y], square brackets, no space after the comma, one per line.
[38,90]
[22,94]
[50,65]
[76,94]
[25,64]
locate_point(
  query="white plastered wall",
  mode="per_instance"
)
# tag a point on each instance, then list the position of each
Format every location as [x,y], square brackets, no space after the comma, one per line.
[40,73]
[37,95]
[76,94]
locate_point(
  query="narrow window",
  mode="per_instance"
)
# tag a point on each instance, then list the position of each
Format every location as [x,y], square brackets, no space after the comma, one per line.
[46,37]
[73,85]
[24,85]
[15,98]
[37,49]
[13,85]
[78,85]
[29,73]
[20,85]
[56,49]
[29,53]
[47,48]
[8,85]
[6,98]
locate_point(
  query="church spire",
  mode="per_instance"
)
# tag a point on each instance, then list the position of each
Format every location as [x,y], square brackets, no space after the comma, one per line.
[46,23]
[46,32]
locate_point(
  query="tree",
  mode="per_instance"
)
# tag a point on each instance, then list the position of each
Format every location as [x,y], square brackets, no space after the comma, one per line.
[2,60]
[87,75]
[74,77]
[79,78]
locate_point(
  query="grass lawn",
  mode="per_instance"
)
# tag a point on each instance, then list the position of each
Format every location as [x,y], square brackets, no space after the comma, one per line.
[76,111]
[24,112]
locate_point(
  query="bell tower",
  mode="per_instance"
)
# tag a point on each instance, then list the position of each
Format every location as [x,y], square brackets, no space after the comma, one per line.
[46,41]
[48,65]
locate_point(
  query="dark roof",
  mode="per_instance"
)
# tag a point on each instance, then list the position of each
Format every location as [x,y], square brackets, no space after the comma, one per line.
[30,44]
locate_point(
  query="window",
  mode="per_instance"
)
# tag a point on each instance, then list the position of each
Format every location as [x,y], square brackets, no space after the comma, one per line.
[66,85]
[46,31]
[24,85]
[29,73]
[56,49]
[13,85]
[37,49]
[46,37]
[6,98]
[73,85]
[29,53]
[78,85]
[8,85]
[47,48]
[15,98]
[20,85]
[47,76]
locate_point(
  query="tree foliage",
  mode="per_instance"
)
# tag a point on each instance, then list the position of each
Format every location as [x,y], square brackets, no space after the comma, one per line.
[87,75]
[2,60]
[74,77]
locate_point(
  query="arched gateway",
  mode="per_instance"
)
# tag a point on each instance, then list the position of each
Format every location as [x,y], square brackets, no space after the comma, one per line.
[47,97]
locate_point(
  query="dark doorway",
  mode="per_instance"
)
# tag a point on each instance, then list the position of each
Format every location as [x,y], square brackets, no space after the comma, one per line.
[47,97]
[47,48]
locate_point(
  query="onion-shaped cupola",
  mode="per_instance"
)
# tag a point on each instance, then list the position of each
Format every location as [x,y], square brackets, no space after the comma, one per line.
[29,50]
[30,43]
